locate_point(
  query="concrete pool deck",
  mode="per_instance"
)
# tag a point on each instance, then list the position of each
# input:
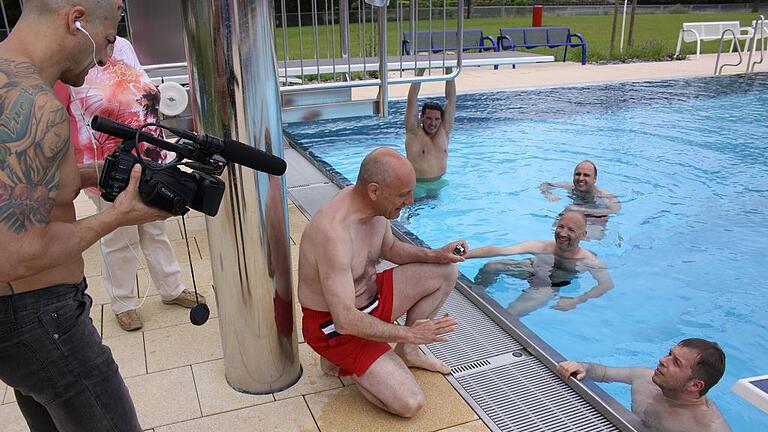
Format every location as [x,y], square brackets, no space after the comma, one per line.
[179,388]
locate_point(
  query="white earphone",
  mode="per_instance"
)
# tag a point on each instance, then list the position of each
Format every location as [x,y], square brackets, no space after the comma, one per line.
[79,26]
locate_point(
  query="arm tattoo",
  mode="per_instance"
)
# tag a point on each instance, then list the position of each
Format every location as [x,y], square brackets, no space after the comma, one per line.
[34,137]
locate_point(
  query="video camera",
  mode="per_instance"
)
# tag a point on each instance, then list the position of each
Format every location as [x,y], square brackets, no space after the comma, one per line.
[166,186]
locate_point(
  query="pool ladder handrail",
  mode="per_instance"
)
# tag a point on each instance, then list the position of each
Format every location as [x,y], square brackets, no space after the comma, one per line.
[758,29]
[720,50]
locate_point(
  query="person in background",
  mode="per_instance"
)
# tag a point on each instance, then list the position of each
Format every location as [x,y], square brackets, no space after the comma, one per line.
[670,398]
[426,142]
[122,91]
[596,204]
[554,265]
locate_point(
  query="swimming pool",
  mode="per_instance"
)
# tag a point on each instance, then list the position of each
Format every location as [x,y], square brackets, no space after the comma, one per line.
[687,159]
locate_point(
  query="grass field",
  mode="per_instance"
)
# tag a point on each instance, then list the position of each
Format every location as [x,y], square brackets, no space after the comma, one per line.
[655,35]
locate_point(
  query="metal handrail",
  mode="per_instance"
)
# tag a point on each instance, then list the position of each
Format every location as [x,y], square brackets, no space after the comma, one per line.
[383,80]
[164,66]
[720,49]
[757,28]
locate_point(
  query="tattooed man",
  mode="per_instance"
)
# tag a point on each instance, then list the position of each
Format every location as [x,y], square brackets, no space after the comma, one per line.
[63,377]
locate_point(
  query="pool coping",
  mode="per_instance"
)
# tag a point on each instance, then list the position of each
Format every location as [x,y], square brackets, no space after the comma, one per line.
[589,390]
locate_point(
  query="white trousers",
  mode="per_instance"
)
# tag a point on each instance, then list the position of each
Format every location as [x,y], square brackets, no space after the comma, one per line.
[120,260]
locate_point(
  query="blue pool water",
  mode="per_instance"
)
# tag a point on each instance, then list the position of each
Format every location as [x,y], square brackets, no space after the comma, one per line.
[689,161]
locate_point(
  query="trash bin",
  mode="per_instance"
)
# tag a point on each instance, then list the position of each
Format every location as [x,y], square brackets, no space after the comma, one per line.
[538,14]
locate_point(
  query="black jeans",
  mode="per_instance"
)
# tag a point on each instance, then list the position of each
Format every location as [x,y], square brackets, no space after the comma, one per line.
[64,378]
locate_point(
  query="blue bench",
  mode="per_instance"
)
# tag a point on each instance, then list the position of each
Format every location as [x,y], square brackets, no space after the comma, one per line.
[438,41]
[534,37]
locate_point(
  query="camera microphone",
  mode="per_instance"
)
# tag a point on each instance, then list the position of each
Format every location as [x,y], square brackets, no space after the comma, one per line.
[231,150]
[237,152]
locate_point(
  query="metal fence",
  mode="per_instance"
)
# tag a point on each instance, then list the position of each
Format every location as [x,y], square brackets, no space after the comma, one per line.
[346,47]
[606,9]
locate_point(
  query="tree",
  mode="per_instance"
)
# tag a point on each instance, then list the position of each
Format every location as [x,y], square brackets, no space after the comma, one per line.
[630,40]
[612,47]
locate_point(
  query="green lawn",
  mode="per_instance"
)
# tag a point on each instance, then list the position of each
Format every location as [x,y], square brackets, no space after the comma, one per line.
[655,35]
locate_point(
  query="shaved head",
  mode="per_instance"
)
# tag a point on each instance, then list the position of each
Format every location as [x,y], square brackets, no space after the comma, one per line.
[589,163]
[95,8]
[53,6]
[579,217]
[381,166]
[385,182]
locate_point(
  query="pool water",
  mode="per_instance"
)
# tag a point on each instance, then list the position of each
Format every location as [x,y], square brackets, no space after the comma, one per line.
[688,160]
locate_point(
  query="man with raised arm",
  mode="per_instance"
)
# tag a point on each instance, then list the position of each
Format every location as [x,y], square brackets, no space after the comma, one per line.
[554,265]
[596,204]
[426,144]
[349,308]
[63,377]
[670,398]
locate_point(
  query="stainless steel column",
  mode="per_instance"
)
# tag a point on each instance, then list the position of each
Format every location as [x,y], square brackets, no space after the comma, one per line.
[233,80]
[383,69]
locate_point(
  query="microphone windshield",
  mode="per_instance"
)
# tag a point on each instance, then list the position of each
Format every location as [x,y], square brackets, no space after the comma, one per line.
[253,158]
[199,314]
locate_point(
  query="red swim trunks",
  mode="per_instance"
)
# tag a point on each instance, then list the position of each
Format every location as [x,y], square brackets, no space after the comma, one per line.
[353,355]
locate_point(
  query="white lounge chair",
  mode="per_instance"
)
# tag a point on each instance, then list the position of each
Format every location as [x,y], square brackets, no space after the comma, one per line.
[709,31]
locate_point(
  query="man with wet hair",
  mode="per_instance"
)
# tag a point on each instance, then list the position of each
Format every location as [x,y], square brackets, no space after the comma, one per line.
[348,308]
[63,377]
[426,144]
[597,204]
[554,265]
[670,398]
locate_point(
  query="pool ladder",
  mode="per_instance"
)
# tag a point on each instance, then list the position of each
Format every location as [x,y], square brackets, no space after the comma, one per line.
[758,33]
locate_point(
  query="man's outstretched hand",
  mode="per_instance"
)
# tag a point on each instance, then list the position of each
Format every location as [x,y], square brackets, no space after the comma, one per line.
[447,253]
[432,330]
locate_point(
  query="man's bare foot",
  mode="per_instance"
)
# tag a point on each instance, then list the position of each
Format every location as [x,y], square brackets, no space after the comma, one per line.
[329,368]
[413,357]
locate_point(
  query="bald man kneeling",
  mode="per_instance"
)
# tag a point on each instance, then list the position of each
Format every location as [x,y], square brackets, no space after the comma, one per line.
[348,308]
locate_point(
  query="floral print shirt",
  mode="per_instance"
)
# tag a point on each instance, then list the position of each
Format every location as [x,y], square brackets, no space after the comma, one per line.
[122,91]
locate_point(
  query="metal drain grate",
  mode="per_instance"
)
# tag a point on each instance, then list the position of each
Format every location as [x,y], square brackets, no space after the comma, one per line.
[477,338]
[490,363]
[471,367]
[527,396]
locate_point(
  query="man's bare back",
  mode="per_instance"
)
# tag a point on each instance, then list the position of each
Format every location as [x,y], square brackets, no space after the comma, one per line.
[39,178]
[26,177]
